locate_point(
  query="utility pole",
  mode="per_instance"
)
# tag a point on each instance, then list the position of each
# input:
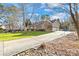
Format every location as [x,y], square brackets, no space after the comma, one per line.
[23,9]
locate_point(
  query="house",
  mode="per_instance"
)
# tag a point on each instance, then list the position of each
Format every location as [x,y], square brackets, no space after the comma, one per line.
[46,25]
[56,25]
[42,26]
[11,27]
[11,24]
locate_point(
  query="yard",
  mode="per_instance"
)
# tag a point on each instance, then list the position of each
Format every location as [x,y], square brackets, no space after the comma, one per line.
[17,35]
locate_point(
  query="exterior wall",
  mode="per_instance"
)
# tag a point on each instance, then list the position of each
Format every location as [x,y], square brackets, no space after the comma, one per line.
[47,26]
[43,25]
[56,26]
[55,29]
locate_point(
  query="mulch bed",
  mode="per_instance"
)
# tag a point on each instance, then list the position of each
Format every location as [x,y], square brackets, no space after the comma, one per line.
[65,46]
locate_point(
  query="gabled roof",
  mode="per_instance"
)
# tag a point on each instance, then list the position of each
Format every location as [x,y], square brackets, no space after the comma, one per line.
[53,21]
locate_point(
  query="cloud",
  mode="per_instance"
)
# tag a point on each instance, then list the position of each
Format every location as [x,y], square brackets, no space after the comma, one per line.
[51,5]
[33,15]
[36,14]
[48,10]
[61,16]
[54,17]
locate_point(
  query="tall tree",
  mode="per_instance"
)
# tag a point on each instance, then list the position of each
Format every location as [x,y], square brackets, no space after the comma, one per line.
[25,20]
[12,16]
[73,8]
[73,12]
[25,23]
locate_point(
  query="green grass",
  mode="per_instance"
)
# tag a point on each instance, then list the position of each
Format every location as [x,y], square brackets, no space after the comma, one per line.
[17,35]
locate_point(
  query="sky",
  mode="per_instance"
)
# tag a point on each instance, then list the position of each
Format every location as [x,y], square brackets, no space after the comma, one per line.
[43,8]
[51,9]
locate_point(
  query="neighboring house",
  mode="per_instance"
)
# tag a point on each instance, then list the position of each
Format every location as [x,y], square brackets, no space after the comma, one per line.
[12,27]
[55,25]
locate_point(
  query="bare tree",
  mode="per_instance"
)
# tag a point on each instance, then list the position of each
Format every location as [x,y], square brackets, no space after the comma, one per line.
[25,21]
[73,12]
[12,17]
[73,8]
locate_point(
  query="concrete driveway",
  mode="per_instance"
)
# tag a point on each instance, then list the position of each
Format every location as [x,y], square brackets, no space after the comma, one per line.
[16,46]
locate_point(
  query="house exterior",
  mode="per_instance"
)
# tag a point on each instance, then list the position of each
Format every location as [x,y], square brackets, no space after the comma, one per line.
[55,25]
[11,24]
[12,27]
[47,25]
[42,26]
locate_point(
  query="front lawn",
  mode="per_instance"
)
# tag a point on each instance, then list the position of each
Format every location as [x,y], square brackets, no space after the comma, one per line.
[17,35]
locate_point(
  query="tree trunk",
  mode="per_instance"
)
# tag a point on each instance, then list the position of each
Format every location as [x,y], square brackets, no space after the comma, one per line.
[75,20]
[78,32]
